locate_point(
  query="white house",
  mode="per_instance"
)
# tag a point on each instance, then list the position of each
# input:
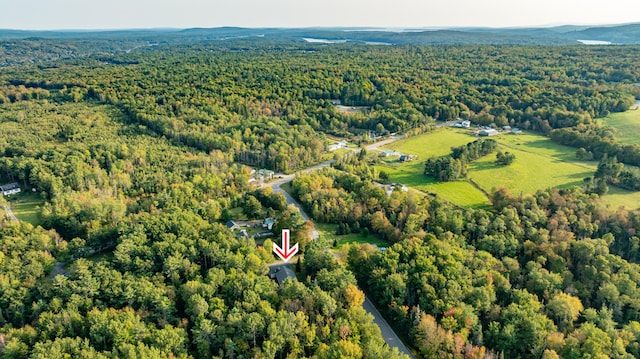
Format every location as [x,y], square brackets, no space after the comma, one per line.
[9,189]
[489,132]
[337,145]
[265,174]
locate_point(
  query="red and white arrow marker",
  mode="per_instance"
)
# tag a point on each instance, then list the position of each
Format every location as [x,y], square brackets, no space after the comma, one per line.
[285,252]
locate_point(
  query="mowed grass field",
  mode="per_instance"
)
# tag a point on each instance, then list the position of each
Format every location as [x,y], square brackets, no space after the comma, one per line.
[461,193]
[433,144]
[627,125]
[26,206]
[540,163]
[327,230]
[618,197]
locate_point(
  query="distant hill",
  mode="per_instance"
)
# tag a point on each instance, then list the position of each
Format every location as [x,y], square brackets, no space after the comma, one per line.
[70,44]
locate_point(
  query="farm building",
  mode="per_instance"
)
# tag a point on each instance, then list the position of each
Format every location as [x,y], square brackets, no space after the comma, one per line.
[387,153]
[489,132]
[9,189]
[407,158]
[516,131]
[337,145]
[463,124]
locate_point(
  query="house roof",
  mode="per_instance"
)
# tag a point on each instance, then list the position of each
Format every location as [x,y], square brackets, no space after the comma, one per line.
[231,224]
[9,186]
[281,272]
[490,131]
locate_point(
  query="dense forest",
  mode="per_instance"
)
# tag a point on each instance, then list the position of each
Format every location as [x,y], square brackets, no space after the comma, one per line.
[139,160]
[546,275]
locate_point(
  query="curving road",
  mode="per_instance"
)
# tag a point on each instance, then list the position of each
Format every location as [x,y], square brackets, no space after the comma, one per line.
[390,337]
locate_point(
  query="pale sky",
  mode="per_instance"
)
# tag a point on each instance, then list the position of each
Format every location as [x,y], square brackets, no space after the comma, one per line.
[118,14]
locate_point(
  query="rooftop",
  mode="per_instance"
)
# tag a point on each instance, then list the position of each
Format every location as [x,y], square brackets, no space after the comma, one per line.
[280,272]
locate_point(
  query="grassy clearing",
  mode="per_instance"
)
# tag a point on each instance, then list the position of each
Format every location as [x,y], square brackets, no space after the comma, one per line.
[329,231]
[627,125]
[26,206]
[436,143]
[432,144]
[331,155]
[237,214]
[618,197]
[539,164]
[461,193]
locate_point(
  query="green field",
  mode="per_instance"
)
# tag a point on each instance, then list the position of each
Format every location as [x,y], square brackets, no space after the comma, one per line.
[539,164]
[432,144]
[436,143]
[461,193]
[627,125]
[329,231]
[618,197]
[26,206]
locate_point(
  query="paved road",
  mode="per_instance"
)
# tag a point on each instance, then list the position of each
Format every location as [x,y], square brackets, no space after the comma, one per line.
[282,179]
[10,213]
[388,334]
[376,146]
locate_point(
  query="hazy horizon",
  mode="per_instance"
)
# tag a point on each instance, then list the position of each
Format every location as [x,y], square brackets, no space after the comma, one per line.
[60,15]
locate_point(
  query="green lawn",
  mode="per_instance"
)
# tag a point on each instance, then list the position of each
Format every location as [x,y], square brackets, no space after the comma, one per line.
[461,193]
[432,144]
[329,231]
[627,125]
[539,164]
[237,214]
[26,206]
[618,197]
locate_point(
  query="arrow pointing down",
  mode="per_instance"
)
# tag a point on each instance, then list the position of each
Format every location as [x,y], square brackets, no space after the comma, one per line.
[285,252]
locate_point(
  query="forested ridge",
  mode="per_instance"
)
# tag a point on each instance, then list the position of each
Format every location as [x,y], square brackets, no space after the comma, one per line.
[139,159]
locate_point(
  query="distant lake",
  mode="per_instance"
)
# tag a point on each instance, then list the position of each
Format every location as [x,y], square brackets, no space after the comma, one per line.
[323,41]
[594,42]
[376,43]
[327,41]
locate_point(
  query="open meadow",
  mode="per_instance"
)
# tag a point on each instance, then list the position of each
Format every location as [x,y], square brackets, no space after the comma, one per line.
[26,207]
[627,125]
[540,163]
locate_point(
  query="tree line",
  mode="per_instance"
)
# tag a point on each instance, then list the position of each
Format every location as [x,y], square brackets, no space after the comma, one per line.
[453,166]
